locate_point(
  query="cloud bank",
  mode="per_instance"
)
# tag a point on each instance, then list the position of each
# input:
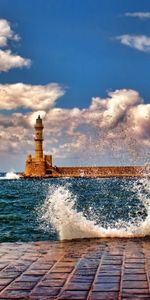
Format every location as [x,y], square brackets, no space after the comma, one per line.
[111,128]
[8,60]
[139,42]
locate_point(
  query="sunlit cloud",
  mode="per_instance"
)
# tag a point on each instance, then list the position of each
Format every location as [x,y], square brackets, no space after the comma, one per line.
[139,42]
[9,60]
[6,33]
[34,97]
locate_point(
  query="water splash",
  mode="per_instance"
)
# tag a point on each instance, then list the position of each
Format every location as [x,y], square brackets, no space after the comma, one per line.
[59,210]
[10,175]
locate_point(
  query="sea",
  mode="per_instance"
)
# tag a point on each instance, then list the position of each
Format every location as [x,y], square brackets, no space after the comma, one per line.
[68,208]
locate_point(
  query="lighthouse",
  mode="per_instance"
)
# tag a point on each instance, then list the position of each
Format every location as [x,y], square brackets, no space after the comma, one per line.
[38,139]
[38,165]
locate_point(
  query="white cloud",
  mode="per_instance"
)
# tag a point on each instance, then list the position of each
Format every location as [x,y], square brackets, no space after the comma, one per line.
[140,15]
[34,97]
[6,33]
[116,105]
[139,42]
[8,60]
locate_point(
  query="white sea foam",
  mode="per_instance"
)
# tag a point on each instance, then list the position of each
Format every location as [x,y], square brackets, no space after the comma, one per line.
[59,210]
[10,175]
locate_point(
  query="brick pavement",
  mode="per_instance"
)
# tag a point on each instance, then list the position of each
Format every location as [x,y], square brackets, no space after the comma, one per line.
[91,269]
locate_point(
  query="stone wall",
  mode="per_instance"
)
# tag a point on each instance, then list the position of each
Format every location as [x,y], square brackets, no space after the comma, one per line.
[97,171]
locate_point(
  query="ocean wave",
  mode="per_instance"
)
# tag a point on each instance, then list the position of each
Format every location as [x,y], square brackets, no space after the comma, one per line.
[59,210]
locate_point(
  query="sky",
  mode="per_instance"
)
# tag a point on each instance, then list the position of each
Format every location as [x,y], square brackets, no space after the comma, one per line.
[84,67]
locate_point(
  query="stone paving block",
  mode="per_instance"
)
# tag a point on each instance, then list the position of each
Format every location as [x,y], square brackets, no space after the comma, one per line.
[106,287]
[41,266]
[45,291]
[13,268]
[35,272]
[111,272]
[110,268]
[108,279]
[56,275]
[136,291]
[140,260]
[112,262]
[68,295]
[7,274]
[52,282]
[104,296]
[135,284]
[14,294]
[136,277]
[78,278]
[134,266]
[28,278]
[66,264]
[87,272]
[18,285]
[134,271]
[62,270]
[79,286]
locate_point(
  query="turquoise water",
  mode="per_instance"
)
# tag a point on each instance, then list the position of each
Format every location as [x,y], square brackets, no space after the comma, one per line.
[106,202]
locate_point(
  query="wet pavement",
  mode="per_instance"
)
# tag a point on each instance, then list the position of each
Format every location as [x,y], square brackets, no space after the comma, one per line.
[91,269]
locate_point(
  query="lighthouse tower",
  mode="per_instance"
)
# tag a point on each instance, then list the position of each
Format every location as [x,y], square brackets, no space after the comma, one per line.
[39,165]
[38,139]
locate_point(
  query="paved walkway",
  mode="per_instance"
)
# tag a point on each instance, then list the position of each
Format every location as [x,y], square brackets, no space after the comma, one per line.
[92,269]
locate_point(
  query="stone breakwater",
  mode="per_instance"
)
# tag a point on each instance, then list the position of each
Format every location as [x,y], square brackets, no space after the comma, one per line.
[89,172]
[91,269]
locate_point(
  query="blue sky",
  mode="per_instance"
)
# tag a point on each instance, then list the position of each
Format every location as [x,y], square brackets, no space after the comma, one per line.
[73,43]
[95,52]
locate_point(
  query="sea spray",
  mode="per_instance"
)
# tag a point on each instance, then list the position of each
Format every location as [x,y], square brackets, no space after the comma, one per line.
[142,189]
[10,175]
[60,211]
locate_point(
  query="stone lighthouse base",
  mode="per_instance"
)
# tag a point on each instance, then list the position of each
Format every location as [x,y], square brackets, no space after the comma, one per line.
[38,168]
